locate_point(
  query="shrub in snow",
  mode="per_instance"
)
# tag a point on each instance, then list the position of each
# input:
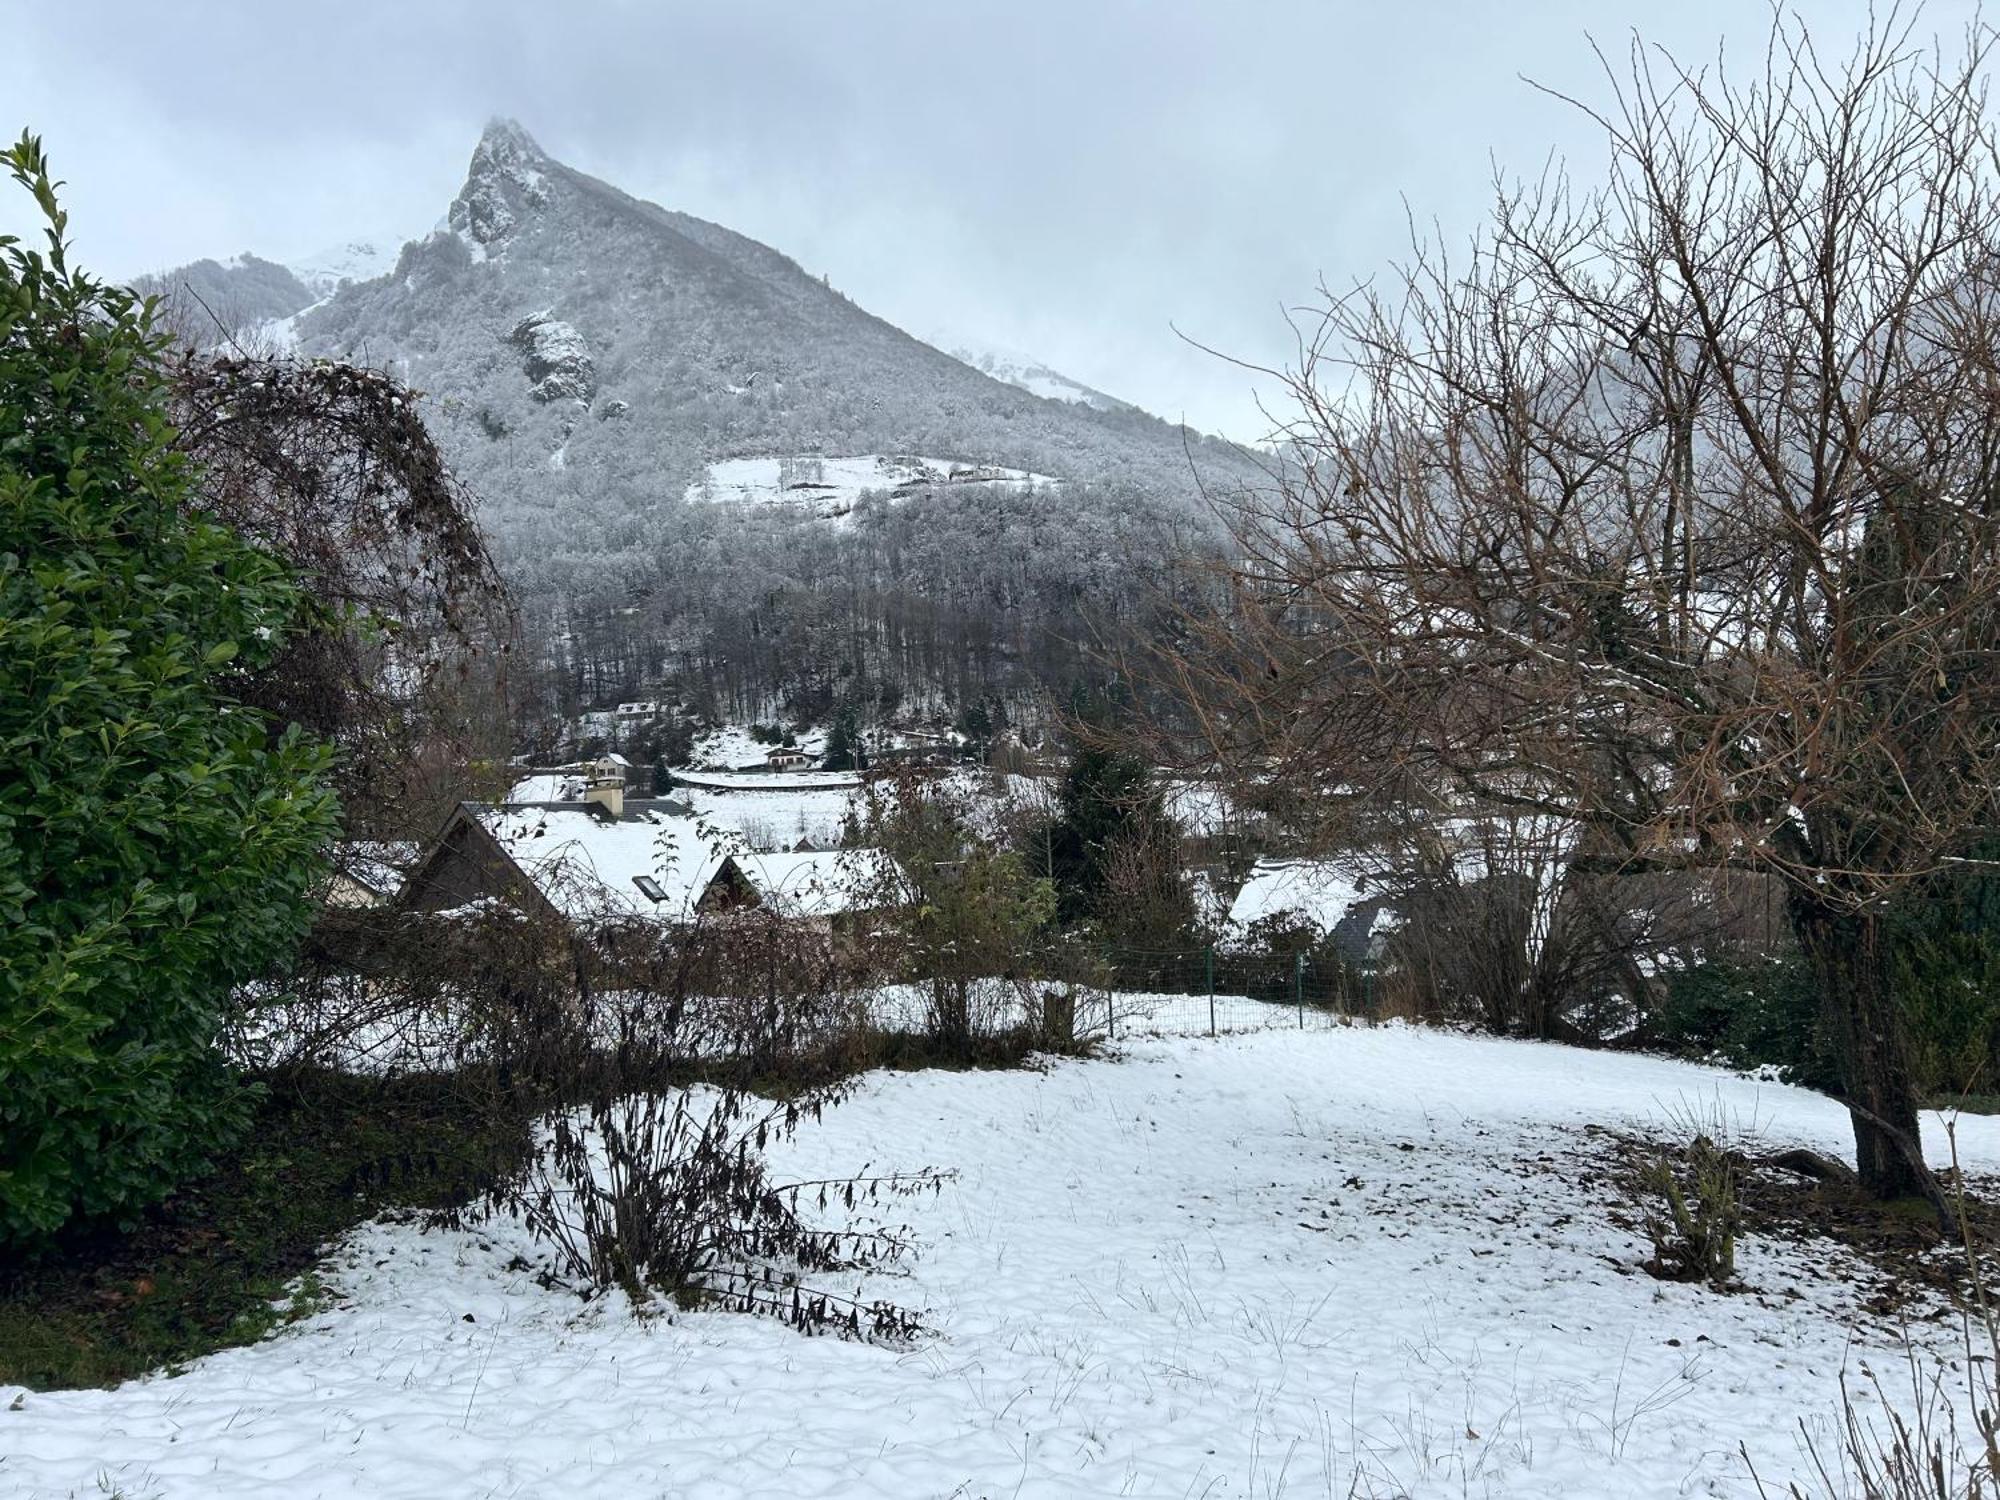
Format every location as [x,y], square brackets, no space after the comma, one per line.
[669,1193]
[1694,1222]
[968,925]
[647,1057]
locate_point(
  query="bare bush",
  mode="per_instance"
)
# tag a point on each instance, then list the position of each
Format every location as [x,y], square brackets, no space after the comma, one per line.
[1694,1222]
[669,1193]
[659,1066]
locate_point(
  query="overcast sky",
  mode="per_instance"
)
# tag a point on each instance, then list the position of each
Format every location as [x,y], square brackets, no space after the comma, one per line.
[1070,178]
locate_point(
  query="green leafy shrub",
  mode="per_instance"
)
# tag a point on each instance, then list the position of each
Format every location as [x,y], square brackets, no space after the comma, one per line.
[1944,942]
[1944,954]
[1751,1013]
[156,844]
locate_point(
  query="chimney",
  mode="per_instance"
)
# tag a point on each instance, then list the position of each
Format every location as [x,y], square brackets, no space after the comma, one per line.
[605,787]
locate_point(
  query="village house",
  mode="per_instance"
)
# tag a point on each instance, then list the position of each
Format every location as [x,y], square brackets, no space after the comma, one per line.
[1322,897]
[365,872]
[560,783]
[601,857]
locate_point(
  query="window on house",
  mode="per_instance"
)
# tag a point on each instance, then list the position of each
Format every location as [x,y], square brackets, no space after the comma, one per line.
[649,888]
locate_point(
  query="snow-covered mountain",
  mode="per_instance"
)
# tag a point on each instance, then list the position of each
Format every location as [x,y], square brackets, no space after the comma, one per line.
[219,298]
[589,355]
[556,315]
[684,443]
[1024,371]
[323,273]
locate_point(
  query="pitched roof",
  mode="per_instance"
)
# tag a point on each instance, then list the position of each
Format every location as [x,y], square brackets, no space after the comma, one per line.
[1314,892]
[820,884]
[1330,897]
[587,865]
[657,862]
[547,786]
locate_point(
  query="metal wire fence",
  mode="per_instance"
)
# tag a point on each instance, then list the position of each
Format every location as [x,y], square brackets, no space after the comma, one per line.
[1220,990]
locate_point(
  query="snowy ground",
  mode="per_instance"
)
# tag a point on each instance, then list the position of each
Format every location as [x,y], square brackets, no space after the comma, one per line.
[729,747]
[830,487]
[776,817]
[1345,1261]
[775,810]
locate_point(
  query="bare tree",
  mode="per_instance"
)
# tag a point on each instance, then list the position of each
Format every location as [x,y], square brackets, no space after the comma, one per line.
[1669,509]
[403,666]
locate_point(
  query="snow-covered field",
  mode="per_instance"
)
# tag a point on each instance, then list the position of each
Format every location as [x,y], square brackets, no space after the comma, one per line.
[829,487]
[1341,1262]
[776,817]
[729,747]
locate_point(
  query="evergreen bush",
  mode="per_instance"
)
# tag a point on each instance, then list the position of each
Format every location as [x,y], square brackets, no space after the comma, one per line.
[157,842]
[1750,1013]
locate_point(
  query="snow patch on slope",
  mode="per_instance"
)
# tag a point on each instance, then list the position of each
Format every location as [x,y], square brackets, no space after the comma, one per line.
[1024,371]
[358,260]
[324,273]
[830,487]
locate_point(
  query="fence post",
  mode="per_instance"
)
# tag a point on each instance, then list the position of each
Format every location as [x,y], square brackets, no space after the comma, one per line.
[1299,986]
[1208,964]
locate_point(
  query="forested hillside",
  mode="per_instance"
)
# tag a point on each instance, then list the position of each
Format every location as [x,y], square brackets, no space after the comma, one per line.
[586,356]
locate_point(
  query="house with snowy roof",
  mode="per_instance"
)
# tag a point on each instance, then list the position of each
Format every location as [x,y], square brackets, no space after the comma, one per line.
[1328,898]
[601,858]
[366,872]
[1359,897]
[566,783]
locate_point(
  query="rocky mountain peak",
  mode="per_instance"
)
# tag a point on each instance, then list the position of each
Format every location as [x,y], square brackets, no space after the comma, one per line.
[506,181]
[507,137]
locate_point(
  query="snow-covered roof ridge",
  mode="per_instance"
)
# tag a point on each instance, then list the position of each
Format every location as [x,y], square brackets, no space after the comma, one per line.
[1339,897]
[659,860]
[588,866]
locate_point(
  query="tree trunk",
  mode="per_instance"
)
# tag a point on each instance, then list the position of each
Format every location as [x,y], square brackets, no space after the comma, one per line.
[1858,1005]
[1059,1017]
[951,1016]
